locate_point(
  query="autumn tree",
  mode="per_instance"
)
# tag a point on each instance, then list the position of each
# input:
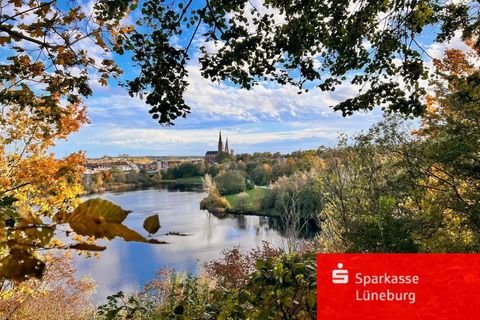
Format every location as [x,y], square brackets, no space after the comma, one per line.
[261,174]
[453,113]
[46,70]
[450,134]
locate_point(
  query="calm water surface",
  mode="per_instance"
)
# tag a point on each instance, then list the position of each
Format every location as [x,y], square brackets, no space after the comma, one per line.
[128,266]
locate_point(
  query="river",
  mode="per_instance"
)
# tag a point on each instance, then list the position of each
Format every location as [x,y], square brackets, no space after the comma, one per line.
[128,266]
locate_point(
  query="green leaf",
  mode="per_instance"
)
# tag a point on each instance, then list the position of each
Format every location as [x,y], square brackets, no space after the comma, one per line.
[152,224]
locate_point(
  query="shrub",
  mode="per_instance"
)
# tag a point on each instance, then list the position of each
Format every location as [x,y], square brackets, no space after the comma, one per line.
[282,287]
[235,267]
[262,284]
[136,307]
[241,202]
[214,203]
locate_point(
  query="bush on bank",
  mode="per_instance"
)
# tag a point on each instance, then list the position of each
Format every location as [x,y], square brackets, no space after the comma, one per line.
[274,286]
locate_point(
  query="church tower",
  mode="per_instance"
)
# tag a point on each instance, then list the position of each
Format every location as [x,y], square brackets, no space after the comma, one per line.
[226,146]
[220,143]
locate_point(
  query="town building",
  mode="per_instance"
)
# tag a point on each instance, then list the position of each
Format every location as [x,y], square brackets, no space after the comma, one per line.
[211,156]
[93,166]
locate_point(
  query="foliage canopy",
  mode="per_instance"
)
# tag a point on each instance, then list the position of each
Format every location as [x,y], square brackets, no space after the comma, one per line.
[374,45]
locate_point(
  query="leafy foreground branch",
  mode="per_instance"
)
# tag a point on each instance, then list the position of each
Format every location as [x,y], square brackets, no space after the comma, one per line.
[45,73]
[372,45]
[94,218]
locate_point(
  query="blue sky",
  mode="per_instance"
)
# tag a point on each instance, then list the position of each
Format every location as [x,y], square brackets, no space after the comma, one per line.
[266,118]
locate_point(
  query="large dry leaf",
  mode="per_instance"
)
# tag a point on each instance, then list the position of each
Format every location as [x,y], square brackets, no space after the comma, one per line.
[20,265]
[152,224]
[102,219]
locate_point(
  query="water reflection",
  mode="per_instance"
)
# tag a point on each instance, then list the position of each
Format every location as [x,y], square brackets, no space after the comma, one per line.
[126,266]
[308,230]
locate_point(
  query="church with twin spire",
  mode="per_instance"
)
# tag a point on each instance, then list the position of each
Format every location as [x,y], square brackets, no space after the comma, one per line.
[211,156]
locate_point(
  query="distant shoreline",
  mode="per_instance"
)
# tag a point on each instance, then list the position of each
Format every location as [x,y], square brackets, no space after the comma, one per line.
[194,181]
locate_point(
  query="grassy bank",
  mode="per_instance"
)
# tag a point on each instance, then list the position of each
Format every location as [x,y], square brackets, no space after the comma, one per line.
[252,205]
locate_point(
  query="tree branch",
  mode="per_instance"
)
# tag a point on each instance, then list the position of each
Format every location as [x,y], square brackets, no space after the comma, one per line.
[20,35]
[31,9]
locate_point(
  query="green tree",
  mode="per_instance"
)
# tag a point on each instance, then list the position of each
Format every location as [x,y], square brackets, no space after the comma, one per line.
[241,202]
[240,165]
[144,177]
[262,174]
[298,200]
[387,192]
[230,182]
[118,176]
[365,187]
[224,157]
[212,170]
[188,169]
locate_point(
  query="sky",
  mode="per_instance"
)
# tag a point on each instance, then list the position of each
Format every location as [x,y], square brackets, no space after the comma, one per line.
[267,118]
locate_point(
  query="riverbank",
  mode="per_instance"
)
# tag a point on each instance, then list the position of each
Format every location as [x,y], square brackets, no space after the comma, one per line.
[185,181]
[190,181]
[116,187]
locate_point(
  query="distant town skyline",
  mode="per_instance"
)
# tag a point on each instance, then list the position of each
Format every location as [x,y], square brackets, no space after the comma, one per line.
[189,139]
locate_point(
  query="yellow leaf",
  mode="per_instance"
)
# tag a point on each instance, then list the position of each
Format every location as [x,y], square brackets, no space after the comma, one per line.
[102,219]
[152,224]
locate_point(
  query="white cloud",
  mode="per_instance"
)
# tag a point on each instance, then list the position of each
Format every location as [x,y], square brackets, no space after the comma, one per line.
[279,136]
[260,103]
[118,104]
[213,101]
[436,50]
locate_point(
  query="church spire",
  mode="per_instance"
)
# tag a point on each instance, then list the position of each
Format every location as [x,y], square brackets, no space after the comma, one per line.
[220,143]
[226,146]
